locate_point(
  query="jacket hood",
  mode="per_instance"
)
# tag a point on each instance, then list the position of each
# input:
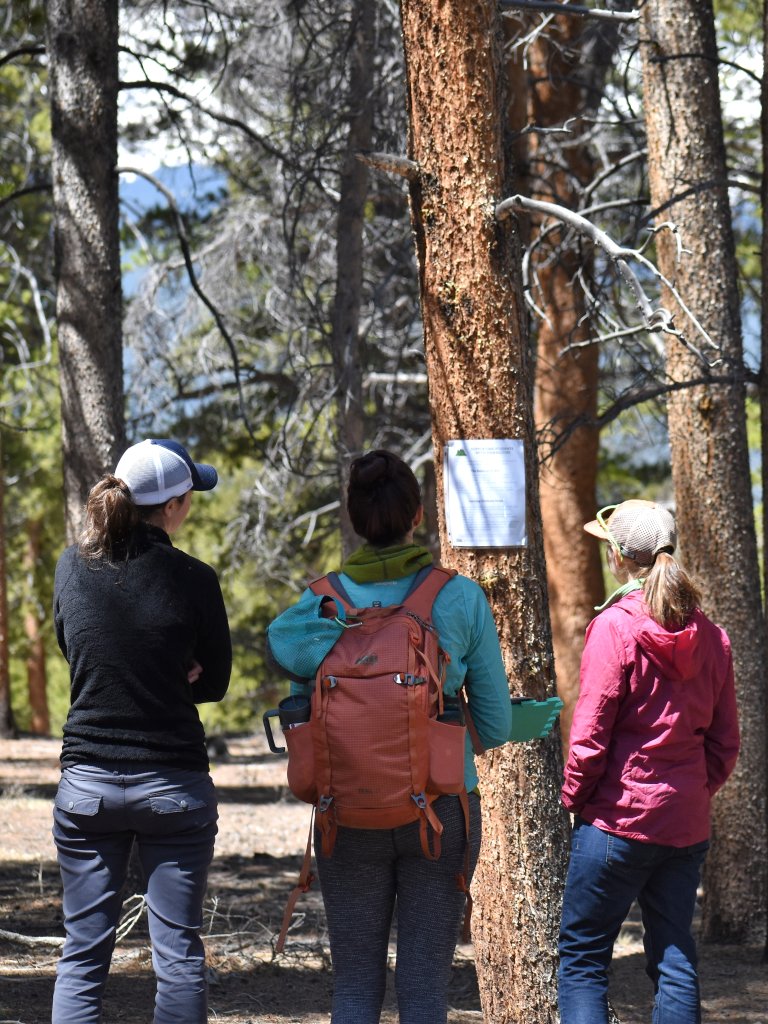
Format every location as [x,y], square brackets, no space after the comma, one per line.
[678,654]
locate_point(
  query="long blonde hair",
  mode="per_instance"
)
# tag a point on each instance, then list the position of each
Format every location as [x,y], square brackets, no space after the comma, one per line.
[670,593]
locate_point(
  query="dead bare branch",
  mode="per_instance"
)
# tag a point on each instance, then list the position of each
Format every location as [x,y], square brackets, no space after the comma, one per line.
[655,320]
[32,941]
[184,243]
[391,164]
[554,7]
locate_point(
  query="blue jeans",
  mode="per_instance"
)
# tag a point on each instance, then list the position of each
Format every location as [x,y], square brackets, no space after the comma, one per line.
[98,813]
[606,874]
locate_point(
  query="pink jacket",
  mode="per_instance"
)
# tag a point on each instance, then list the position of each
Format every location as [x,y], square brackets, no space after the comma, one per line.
[655,731]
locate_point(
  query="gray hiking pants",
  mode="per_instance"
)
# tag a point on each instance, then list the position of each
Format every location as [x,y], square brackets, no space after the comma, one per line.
[368,873]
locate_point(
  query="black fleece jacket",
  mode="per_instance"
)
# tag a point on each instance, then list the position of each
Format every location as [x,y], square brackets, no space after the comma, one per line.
[130,630]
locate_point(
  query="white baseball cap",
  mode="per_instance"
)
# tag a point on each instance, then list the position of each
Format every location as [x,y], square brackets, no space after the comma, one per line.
[158,470]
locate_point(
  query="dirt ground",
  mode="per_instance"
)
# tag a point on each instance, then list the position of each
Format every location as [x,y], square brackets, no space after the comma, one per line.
[262,835]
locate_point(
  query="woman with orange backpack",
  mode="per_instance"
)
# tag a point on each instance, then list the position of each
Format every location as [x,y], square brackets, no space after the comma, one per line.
[368,873]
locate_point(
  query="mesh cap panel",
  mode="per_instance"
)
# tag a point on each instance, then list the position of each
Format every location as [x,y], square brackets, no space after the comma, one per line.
[643,529]
[153,473]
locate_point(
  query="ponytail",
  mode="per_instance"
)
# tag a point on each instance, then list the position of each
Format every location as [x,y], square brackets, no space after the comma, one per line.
[110,518]
[670,593]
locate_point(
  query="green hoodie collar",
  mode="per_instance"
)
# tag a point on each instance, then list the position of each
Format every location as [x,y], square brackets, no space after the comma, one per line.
[376,565]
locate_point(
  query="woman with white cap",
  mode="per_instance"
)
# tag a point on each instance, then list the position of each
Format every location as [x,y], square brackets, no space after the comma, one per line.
[654,736]
[144,629]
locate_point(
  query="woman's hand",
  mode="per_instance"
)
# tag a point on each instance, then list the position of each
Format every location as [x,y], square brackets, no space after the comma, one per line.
[194,672]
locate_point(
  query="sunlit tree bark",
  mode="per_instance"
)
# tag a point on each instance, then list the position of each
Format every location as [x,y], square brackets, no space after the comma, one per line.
[481,386]
[6,713]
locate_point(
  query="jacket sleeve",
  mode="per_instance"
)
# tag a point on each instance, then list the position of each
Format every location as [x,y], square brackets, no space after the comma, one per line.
[602,688]
[213,644]
[721,741]
[486,678]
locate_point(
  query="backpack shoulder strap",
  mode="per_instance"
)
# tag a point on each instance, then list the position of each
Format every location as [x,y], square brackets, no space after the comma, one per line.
[331,586]
[425,588]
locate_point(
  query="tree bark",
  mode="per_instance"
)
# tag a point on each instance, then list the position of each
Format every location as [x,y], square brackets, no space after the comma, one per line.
[481,386]
[345,324]
[707,426]
[81,43]
[763,387]
[566,379]
[33,628]
[7,726]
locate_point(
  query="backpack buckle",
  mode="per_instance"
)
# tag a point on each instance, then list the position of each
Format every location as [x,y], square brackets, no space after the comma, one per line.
[324,804]
[409,679]
[420,800]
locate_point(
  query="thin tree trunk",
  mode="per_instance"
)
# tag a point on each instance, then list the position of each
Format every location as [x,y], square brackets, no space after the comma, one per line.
[481,386]
[82,50]
[707,427]
[33,627]
[345,339]
[7,727]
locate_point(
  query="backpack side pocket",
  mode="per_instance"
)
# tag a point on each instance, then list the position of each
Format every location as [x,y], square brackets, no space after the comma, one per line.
[446,756]
[301,762]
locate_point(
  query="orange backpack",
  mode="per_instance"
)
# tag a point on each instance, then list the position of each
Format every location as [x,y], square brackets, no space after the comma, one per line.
[379,747]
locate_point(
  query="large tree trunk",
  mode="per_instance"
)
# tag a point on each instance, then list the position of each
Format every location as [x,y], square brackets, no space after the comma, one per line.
[707,426]
[764,315]
[33,628]
[7,728]
[345,323]
[566,368]
[82,52]
[481,385]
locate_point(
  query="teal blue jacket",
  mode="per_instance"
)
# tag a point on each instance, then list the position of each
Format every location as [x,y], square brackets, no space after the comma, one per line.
[301,637]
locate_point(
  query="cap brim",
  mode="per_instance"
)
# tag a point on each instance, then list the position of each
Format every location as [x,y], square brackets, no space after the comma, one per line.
[204,477]
[595,529]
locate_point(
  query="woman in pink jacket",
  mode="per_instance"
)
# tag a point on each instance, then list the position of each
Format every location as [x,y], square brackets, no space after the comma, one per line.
[654,736]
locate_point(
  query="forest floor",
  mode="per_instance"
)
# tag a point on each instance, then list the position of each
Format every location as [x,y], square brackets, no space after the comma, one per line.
[262,835]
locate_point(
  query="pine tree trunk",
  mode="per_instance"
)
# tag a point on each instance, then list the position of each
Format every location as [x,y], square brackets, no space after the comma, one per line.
[7,728]
[566,368]
[33,628]
[707,426]
[82,52]
[345,323]
[481,386]
[763,387]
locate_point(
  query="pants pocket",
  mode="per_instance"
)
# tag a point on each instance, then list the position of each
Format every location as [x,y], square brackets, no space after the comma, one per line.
[69,800]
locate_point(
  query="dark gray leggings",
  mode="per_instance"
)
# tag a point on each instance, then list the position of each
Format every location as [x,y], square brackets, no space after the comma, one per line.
[368,872]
